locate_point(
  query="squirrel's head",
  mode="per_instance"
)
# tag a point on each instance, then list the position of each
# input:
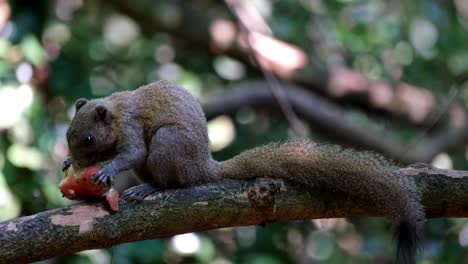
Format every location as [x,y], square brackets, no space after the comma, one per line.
[90,136]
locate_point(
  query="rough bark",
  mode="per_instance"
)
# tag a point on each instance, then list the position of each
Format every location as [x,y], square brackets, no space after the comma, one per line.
[222,204]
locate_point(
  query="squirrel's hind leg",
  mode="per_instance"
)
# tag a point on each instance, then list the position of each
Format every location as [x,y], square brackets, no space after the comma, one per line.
[174,160]
[137,193]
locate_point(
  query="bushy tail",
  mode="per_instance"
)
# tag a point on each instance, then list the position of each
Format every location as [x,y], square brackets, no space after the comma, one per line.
[408,237]
[363,174]
[409,227]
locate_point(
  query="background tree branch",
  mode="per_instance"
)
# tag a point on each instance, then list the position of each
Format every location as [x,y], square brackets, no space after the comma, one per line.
[222,204]
[327,117]
[415,105]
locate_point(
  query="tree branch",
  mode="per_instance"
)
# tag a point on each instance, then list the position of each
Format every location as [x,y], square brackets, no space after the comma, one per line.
[223,204]
[329,118]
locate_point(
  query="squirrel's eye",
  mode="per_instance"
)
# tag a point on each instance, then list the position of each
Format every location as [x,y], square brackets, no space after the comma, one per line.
[89,140]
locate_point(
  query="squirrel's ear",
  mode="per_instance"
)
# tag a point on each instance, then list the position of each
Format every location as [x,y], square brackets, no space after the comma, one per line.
[102,113]
[79,103]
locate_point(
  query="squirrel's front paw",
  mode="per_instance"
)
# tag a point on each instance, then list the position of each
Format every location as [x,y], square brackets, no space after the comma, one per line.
[105,176]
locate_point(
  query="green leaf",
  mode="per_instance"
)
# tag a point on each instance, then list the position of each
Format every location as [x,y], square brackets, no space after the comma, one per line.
[33,51]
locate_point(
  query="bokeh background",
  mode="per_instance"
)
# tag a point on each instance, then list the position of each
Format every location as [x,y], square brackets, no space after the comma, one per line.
[370,74]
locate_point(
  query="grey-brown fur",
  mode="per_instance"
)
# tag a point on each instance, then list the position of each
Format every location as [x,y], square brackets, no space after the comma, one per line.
[159,131]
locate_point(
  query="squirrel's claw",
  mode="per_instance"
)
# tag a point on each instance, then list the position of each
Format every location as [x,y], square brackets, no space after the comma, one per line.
[138,193]
[104,177]
[66,163]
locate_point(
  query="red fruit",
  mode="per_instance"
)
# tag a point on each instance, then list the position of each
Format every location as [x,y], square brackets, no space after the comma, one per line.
[79,184]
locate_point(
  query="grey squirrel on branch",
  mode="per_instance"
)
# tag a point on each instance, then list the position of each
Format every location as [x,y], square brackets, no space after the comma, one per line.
[159,130]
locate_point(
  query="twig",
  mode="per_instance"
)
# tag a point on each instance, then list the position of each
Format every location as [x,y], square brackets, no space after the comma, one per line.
[239,11]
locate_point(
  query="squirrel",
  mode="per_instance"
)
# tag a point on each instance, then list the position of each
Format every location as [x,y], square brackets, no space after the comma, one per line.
[160,131]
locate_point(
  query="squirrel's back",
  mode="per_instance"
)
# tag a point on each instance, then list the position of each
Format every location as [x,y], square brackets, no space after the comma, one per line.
[159,104]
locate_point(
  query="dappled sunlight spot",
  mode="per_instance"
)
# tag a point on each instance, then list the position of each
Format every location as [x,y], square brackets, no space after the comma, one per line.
[228,68]
[347,238]
[250,17]
[221,132]
[33,51]
[14,55]
[457,116]
[319,245]
[246,235]
[466,154]
[277,56]
[342,224]
[416,101]
[381,94]
[24,72]
[164,54]
[458,62]
[369,66]
[4,46]
[463,22]
[186,244]
[5,12]
[25,157]
[190,82]
[57,32]
[350,242]
[364,13]
[71,112]
[25,96]
[120,30]
[13,103]
[343,81]
[97,255]
[404,53]
[60,150]
[295,238]
[442,161]
[221,261]
[463,236]
[462,7]
[264,7]
[7,30]
[423,36]
[223,33]
[22,132]
[325,225]
[53,38]
[9,205]
[392,66]
[64,9]
[169,71]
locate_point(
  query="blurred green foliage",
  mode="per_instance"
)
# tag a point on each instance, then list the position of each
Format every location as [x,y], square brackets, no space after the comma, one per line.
[54,52]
